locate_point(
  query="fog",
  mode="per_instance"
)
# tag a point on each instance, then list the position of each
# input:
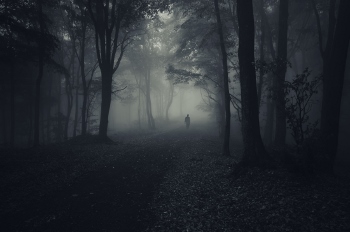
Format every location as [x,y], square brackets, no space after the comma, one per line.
[175,115]
[125,117]
[73,73]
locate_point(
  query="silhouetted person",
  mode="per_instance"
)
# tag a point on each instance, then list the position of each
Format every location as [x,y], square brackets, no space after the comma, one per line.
[187,121]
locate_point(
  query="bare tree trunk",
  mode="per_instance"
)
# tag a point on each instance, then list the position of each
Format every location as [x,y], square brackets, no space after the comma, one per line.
[69,107]
[226,143]
[12,103]
[76,114]
[42,126]
[4,114]
[59,114]
[281,125]
[107,20]
[151,123]
[170,100]
[221,120]
[40,75]
[254,150]
[139,108]
[182,96]
[268,130]
[338,56]
[270,106]
[106,102]
[84,111]
[325,54]
[48,117]
[30,119]
[82,73]
[325,50]
[262,53]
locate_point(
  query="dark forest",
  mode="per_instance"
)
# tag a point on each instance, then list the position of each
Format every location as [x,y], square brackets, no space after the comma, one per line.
[175,115]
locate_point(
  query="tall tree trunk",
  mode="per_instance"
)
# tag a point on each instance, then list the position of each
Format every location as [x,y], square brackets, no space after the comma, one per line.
[69,106]
[82,73]
[84,111]
[42,126]
[262,53]
[221,118]
[151,123]
[226,143]
[12,103]
[4,112]
[182,96]
[338,56]
[254,150]
[281,125]
[139,107]
[270,108]
[30,132]
[107,20]
[170,100]
[59,114]
[325,51]
[106,102]
[41,52]
[48,118]
[76,114]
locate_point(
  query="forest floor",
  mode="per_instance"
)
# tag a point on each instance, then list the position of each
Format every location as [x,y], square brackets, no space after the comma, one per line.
[173,180]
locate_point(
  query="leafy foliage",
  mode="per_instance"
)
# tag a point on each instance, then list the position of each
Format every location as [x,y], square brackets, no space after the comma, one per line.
[299,93]
[181,75]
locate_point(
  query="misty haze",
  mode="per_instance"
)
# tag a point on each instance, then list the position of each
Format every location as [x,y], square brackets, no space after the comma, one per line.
[175,115]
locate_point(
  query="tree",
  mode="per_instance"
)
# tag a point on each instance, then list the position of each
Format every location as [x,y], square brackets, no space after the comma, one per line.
[254,150]
[226,144]
[24,38]
[147,52]
[45,44]
[333,93]
[109,17]
[298,94]
[280,135]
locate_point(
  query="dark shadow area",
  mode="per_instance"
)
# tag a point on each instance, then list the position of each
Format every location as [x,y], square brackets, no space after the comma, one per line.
[113,196]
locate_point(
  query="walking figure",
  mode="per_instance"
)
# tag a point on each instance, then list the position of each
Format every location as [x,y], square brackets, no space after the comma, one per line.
[187,121]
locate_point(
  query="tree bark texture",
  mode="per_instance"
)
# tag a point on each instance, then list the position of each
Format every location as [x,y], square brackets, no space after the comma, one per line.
[270,110]
[262,53]
[59,114]
[281,124]
[76,113]
[40,75]
[170,100]
[226,143]
[48,117]
[82,72]
[106,101]
[151,122]
[12,102]
[333,94]
[107,22]
[254,151]
[69,106]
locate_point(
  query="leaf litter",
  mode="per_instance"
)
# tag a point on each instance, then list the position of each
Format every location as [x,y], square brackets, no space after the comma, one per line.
[198,191]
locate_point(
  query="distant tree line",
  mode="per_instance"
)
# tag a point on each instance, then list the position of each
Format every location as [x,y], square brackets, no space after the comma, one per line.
[259,53]
[257,61]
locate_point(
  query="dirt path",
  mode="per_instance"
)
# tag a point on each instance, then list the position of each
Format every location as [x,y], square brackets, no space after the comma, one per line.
[175,180]
[115,197]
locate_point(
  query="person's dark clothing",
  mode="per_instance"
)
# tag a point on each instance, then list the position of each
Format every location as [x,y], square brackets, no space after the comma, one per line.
[187,121]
